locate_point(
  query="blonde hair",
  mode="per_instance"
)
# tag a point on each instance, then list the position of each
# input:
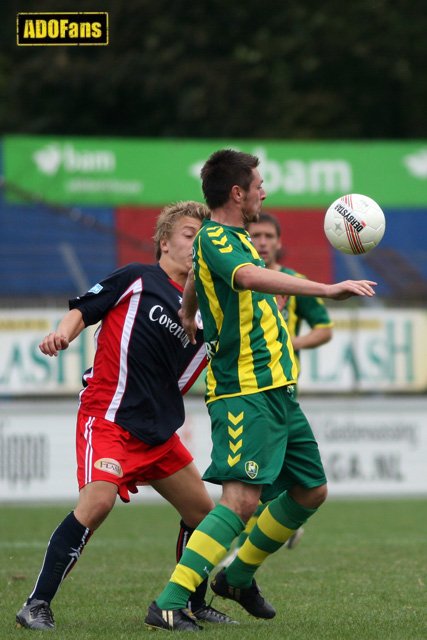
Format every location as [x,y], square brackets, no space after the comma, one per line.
[173,212]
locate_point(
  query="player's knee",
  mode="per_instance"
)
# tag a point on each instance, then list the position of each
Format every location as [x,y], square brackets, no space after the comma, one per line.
[241,498]
[93,507]
[311,498]
[244,507]
[103,507]
[318,496]
[95,517]
[248,511]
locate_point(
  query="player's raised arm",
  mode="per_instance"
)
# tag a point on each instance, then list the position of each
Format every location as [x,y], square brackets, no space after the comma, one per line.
[269,281]
[68,329]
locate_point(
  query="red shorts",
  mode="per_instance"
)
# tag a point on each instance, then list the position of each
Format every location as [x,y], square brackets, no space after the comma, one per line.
[107,452]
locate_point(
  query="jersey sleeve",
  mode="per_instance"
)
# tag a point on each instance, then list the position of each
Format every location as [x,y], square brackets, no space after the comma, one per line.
[313,311]
[224,252]
[104,295]
[309,308]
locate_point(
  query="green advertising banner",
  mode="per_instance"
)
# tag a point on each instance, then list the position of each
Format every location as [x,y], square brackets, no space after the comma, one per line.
[104,171]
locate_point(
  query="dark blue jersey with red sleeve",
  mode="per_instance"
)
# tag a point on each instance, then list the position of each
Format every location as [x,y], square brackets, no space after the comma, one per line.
[143,361]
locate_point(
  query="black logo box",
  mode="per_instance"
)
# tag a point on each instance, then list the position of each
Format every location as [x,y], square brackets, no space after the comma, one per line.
[52,38]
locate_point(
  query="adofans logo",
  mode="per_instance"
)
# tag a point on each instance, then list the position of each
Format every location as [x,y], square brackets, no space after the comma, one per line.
[87,28]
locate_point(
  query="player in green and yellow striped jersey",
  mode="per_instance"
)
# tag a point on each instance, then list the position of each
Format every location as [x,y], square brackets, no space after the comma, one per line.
[265,235]
[258,428]
[243,330]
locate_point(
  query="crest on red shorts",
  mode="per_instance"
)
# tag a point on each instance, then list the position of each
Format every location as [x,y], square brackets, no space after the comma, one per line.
[110,466]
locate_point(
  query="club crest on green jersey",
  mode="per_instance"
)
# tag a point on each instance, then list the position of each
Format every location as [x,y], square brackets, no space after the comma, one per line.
[251,469]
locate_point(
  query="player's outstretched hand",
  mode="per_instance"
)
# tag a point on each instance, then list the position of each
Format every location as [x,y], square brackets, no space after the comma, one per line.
[349,288]
[54,342]
[189,325]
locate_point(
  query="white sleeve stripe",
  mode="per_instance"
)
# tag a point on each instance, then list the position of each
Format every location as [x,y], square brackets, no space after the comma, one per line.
[192,367]
[135,289]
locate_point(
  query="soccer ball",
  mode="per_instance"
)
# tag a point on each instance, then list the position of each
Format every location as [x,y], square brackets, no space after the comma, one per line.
[354,224]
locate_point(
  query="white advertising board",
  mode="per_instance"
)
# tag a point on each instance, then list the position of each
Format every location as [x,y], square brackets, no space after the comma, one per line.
[24,370]
[37,451]
[371,350]
[370,447]
[374,350]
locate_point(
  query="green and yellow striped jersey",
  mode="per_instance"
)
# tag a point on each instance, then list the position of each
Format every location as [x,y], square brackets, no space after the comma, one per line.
[296,308]
[248,344]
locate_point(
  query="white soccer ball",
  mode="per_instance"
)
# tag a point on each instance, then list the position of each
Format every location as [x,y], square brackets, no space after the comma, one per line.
[354,224]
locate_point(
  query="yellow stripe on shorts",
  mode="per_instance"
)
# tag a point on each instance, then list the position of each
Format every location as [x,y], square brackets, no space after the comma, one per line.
[271,528]
[206,547]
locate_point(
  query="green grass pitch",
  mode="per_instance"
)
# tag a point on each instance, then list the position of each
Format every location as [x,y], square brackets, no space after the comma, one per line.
[360,573]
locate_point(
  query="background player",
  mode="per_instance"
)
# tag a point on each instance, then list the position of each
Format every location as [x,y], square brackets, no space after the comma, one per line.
[266,237]
[131,404]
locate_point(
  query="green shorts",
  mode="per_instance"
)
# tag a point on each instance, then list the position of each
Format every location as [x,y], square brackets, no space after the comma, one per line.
[263,439]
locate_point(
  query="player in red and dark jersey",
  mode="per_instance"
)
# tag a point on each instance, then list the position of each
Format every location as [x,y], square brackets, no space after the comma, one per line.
[131,404]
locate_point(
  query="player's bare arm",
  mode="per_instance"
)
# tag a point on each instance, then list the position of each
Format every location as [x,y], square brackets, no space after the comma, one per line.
[268,281]
[188,310]
[312,339]
[68,329]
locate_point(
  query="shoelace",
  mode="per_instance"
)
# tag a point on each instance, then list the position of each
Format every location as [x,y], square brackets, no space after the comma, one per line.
[189,614]
[217,614]
[42,611]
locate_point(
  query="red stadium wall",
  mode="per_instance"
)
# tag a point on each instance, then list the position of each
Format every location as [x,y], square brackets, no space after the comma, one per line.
[306,248]
[135,229]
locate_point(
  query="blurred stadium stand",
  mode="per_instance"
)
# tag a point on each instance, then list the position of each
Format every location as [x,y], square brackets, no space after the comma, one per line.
[51,252]
[44,255]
